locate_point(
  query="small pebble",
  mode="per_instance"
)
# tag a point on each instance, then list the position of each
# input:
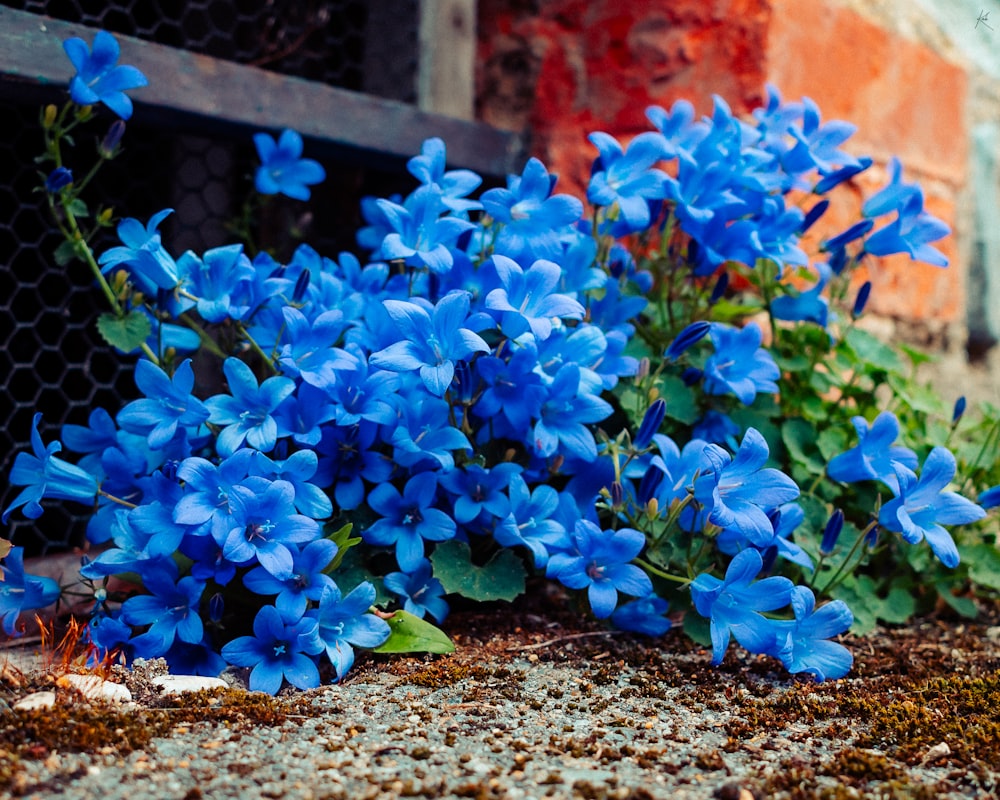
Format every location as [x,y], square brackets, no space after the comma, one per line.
[36,700]
[178,684]
[94,687]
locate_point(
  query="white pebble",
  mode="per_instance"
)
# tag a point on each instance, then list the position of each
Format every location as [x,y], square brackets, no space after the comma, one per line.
[177,684]
[36,700]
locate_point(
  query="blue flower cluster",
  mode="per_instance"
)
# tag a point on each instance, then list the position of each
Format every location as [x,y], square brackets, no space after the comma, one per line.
[452,387]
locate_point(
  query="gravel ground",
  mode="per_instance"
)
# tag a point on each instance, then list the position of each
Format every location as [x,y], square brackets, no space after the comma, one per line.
[541,710]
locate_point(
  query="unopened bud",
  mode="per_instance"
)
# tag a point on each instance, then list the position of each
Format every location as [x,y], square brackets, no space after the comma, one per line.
[831,532]
[49,116]
[652,508]
[959,409]
[651,422]
[617,495]
[112,140]
[862,299]
[58,179]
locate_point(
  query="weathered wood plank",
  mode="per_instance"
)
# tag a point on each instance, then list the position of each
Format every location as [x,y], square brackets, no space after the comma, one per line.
[211,92]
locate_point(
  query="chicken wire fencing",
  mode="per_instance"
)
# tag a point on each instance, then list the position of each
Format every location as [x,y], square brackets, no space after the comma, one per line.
[52,359]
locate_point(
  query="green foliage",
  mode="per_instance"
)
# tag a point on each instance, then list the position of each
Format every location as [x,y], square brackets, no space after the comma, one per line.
[500,578]
[126,332]
[410,634]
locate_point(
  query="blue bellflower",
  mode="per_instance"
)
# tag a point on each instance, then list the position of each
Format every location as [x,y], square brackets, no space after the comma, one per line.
[419,590]
[45,476]
[874,456]
[170,608]
[740,365]
[306,582]
[923,506]
[20,591]
[142,251]
[282,169]
[277,651]
[734,604]
[526,300]
[168,405]
[408,519]
[99,78]
[803,645]
[344,623]
[455,185]
[419,234]
[626,179]
[600,564]
[247,412]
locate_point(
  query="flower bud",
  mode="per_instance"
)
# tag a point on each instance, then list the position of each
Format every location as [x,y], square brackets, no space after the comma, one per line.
[693,333]
[109,146]
[831,532]
[959,409]
[301,285]
[814,214]
[49,116]
[721,285]
[862,299]
[58,179]
[991,497]
[648,485]
[691,376]
[650,424]
[617,494]
[652,508]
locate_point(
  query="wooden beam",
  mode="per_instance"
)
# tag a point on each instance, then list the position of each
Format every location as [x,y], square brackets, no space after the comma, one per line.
[211,92]
[445,82]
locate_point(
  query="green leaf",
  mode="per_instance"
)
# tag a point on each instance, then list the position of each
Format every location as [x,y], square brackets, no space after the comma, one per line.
[965,606]
[697,628]
[125,333]
[868,606]
[799,437]
[410,634]
[984,565]
[871,351]
[344,541]
[78,208]
[501,578]
[831,442]
[681,401]
[64,253]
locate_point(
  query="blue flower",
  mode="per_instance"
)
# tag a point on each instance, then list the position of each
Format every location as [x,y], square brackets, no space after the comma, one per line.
[530,215]
[143,252]
[923,505]
[808,305]
[247,412]
[419,590]
[911,232]
[564,416]
[265,525]
[277,651]
[431,344]
[425,436]
[309,352]
[599,562]
[733,605]
[740,365]
[345,621]
[207,487]
[625,178]
[420,235]
[99,77]
[170,608]
[454,185]
[408,519]
[803,645]
[527,301]
[350,459]
[168,405]
[990,498]
[874,456]
[530,522]
[58,179]
[644,615]
[221,281]
[739,490]
[478,489]
[513,389]
[20,591]
[817,145]
[282,169]
[44,475]
[306,582]
[691,334]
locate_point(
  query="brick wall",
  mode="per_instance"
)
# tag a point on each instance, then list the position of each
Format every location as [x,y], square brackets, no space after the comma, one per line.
[563,68]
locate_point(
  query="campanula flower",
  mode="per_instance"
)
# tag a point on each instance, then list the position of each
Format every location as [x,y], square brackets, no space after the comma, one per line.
[739,490]
[599,563]
[644,615]
[306,582]
[99,78]
[807,305]
[531,521]
[530,215]
[431,343]
[247,412]
[265,526]
[20,591]
[817,145]
[309,352]
[923,505]
[734,604]
[300,470]
[58,179]
[911,232]
[420,592]
[349,458]
[740,365]
[803,644]
[277,651]
[344,621]
[282,169]
[651,421]
[679,128]
[477,489]
[408,519]
[43,475]
[168,405]
[564,417]
[691,334]
[872,458]
[205,503]
[142,251]
[420,235]
[626,179]
[990,498]
[221,280]
[170,608]
[455,185]
[424,435]
[526,300]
